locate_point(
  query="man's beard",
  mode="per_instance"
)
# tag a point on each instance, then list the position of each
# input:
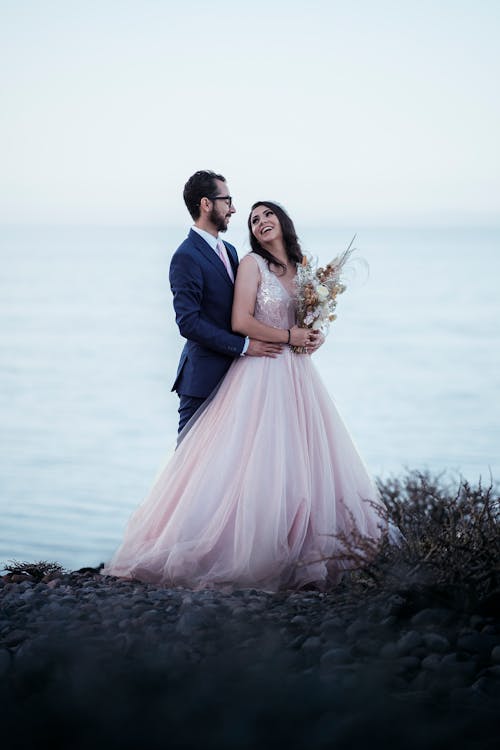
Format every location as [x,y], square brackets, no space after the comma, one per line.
[218,221]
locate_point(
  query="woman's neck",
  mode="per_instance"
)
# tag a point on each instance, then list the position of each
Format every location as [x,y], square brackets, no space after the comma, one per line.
[277,248]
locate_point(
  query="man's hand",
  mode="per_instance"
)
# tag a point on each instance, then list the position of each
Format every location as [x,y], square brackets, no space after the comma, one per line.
[262,349]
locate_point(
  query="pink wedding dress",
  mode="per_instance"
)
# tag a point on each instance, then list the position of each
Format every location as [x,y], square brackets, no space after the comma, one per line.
[260,483]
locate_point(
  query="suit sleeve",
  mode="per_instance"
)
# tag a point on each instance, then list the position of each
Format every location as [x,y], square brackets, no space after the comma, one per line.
[186,282]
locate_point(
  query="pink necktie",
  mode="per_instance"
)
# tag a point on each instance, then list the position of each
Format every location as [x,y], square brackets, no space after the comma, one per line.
[222,253]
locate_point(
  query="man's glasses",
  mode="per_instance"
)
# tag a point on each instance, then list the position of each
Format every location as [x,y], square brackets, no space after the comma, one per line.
[226,198]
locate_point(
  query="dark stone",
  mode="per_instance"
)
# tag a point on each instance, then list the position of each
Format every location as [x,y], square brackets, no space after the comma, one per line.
[422,680]
[408,642]
[15,637]
[67,599]
[436,643]
[388,622]
[433,616]
[489,683]
[456,663]
[389,650]
[150,616]
[87,571]
[313,643]
[332,627]
[356,628]
[432,662]
[335,656]
[5,660]
[20,578]
[300,621]
[490,630]
[297,642]
[395,606]
[475,643]
[491,604]
[407,663]
[476,622]
[466,697]
[26,585]
[366,646]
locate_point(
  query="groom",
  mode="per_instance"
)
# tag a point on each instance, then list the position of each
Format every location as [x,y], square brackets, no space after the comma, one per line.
[202,273]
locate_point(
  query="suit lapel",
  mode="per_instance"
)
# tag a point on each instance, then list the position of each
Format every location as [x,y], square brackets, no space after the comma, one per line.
[212,256]
[233,259]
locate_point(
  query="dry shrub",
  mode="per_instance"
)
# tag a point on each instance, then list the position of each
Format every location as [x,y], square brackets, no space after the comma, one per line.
[36,571]
[441,535]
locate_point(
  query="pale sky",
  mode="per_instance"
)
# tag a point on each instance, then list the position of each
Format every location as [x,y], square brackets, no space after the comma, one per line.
[358,111]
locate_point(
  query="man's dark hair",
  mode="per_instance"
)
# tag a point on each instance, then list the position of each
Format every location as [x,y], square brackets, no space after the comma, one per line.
[200,185]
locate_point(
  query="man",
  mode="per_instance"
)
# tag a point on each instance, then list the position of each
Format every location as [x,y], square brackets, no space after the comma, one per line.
[202,273]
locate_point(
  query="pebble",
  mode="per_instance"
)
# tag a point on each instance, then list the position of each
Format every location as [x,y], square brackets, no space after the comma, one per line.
[15,637]
[431,662]
[26,583]
[389,650]
[366,646]
[191,620]
[456,663]
[407,664]
[433,616]
[313,643]
[474,643]
[388,622]
[5,660]
[27,594]
[300,621]
[331,627]
[356,628]
[415,652]
[335,656]
[408,642]
[489,630]
[394,605]
[476,622]
[436,643]
[489,683]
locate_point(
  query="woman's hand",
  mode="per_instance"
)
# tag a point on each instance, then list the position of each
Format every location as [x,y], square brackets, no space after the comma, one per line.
[303,336]
[319,341]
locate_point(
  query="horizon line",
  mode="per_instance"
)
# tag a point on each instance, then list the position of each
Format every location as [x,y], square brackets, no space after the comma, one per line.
[307,225]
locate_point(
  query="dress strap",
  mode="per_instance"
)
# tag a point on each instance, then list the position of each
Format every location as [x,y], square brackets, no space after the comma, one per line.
[263,267]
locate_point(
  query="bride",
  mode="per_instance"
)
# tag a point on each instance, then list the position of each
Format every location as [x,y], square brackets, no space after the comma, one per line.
[266,474]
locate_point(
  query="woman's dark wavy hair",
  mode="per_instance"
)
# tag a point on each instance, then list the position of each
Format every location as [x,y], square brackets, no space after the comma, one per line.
[292,245]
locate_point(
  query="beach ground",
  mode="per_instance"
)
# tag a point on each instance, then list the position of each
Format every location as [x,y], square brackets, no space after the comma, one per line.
[89,661]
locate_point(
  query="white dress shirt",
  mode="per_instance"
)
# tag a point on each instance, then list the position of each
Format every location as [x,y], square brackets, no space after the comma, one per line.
[212,241]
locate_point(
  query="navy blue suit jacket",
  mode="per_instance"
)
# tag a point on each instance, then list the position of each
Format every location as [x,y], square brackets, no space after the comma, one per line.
[203,300]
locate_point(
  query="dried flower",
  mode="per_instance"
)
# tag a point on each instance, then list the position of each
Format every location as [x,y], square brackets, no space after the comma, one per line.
[317,292]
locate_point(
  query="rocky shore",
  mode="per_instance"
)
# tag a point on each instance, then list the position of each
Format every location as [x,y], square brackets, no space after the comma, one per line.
[90,661]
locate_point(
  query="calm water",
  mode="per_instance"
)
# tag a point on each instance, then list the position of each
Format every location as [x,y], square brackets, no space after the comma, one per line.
[89,349]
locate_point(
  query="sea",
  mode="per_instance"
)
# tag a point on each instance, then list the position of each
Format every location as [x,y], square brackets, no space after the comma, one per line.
[89,350]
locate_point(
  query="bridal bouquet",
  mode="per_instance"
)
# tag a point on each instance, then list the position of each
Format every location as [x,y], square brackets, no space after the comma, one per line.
[317,292]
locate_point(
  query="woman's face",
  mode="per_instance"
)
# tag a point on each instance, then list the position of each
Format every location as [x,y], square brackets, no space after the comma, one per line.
[265,225]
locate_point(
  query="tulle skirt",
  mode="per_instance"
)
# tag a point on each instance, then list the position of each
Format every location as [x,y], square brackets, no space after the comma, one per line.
[258,489]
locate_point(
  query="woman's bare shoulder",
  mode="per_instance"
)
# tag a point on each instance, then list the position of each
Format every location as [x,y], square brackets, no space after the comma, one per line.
[251,261]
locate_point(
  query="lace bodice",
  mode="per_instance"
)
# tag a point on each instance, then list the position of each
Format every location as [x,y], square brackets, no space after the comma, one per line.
[274,305]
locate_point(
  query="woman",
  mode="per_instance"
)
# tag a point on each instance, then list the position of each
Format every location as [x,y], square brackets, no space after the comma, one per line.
[267,474]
